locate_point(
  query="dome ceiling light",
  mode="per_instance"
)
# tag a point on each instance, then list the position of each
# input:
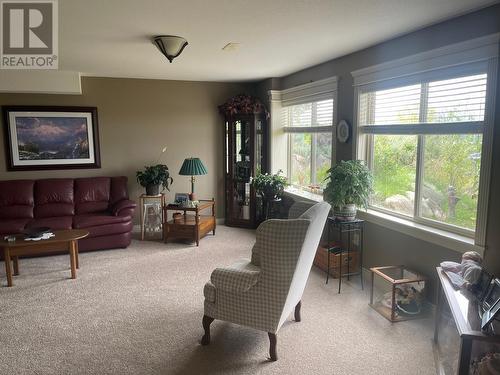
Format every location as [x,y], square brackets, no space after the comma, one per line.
[170,45]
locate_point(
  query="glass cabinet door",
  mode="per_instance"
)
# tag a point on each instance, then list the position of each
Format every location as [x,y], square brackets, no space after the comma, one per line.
[240,170]
[245,157]
[260,164]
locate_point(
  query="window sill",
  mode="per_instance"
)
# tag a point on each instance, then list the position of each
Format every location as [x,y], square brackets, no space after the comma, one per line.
[439,237]
[303,195]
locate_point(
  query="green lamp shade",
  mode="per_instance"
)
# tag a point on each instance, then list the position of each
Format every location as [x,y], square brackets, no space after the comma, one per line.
[192,167]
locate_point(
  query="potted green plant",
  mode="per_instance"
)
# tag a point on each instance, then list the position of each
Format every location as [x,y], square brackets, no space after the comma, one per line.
[153,176]
[270,186]
[349,186]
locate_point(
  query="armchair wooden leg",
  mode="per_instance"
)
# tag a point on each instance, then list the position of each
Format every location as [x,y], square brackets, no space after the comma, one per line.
[207,320]
[272,346]
[297,311]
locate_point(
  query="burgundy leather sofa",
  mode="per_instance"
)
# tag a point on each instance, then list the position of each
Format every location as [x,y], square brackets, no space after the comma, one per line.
[98,204]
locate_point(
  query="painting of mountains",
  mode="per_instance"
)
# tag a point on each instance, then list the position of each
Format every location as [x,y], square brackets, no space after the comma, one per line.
[51,137]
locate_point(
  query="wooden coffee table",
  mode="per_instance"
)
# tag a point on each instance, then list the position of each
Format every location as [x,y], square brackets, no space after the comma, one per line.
[64,240]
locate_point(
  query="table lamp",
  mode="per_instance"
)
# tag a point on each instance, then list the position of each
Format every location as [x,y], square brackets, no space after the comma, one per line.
[192,167]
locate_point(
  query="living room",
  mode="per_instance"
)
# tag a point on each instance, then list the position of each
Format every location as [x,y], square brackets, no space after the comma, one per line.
[219,92]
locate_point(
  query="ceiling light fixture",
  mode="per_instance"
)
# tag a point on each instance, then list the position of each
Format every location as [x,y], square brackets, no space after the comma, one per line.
[170,45]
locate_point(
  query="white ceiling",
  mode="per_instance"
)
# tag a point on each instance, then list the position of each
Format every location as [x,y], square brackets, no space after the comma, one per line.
[111,38]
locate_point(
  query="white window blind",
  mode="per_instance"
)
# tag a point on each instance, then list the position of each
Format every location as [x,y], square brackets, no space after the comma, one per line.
[457,100]
[309,117]
[393,106]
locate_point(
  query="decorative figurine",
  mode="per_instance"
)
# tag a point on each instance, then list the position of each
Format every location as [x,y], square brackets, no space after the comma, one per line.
[465,274]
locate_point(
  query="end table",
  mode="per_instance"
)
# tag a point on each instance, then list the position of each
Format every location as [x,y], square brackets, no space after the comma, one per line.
[191,227]
[154,202]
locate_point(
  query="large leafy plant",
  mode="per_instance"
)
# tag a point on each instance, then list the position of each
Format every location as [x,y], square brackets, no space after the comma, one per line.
[270,186]
[349,182]
[155,175]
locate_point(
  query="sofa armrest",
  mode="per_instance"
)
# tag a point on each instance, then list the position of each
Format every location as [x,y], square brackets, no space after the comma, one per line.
[238,277]
[124,207]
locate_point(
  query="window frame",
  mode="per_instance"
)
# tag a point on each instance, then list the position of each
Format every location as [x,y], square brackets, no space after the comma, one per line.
[280,140]
[477,56]
[313,130]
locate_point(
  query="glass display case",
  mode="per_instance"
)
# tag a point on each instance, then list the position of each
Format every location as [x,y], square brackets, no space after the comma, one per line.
[397,293]
[460,346]
[245,156]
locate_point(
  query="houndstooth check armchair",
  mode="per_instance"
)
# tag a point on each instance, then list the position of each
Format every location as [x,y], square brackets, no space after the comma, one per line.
[262,293]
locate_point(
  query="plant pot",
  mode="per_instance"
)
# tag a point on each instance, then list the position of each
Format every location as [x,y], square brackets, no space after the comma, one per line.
[270,193]
[152,189]
[345,213]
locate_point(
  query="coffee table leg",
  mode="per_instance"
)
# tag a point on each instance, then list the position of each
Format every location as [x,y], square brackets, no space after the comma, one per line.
[15,260]
[72,258]
[77,255]
[8,269]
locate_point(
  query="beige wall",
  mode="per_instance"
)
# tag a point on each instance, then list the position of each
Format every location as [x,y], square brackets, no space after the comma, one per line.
[137,118]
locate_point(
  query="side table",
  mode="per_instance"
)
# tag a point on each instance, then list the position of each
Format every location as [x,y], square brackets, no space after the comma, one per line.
[349,228]
[145,204]
[191,227]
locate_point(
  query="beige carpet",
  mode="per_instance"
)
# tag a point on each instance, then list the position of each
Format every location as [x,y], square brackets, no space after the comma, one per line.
[138,311]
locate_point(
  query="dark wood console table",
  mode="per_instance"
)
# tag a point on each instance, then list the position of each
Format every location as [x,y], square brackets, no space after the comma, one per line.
[458,340]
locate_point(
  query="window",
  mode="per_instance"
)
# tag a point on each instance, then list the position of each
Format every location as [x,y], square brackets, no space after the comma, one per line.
[423,141]
[310,128]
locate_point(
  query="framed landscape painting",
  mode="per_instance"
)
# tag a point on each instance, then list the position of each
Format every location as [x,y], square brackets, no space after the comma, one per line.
[51,137]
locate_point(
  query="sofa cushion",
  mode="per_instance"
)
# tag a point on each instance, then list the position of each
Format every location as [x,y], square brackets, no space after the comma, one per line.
[105,242]
[16,199]
[118,190]
[93,220]
[12,226]
[54,197]
[109,229]
[54,223]
[92,194]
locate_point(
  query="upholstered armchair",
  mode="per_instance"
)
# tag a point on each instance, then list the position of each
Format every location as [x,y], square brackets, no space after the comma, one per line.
[262,293]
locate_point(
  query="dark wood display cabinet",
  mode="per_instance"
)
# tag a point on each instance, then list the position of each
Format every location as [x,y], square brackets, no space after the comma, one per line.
[245,156]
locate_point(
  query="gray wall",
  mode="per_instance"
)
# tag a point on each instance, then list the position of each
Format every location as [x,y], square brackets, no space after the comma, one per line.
[384,246]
